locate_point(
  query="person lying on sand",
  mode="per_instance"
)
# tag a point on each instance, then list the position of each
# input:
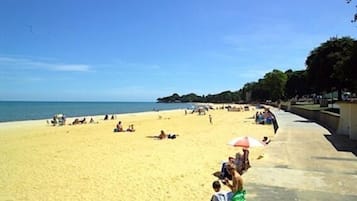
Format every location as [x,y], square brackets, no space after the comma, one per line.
[163,135]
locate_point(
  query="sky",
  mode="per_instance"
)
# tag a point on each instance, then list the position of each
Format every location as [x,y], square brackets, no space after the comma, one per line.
[140,50]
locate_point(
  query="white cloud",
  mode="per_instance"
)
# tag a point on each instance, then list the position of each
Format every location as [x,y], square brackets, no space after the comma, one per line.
[24,63]
[72,67]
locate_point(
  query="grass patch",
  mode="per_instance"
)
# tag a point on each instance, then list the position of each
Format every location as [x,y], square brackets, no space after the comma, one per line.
[316,107]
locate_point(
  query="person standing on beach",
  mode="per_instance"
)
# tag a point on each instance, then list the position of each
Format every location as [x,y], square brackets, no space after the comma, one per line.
[210,119]
[237,183]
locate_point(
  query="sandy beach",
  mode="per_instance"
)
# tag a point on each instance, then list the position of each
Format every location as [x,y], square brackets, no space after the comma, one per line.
[91,162]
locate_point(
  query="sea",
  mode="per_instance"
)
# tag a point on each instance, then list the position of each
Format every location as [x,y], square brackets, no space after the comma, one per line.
[35,110]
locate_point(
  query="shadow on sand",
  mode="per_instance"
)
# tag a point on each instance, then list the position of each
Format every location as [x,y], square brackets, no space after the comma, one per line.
[304,121]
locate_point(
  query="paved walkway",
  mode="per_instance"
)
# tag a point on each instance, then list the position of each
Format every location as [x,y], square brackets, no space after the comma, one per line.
[304,161]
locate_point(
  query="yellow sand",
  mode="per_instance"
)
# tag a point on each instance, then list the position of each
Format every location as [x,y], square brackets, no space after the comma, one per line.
[91,162]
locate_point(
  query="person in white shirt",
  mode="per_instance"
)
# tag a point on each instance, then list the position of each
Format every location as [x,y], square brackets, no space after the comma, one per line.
[220,195]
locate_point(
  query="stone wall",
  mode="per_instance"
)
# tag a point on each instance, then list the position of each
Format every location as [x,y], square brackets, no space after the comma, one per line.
[327,119]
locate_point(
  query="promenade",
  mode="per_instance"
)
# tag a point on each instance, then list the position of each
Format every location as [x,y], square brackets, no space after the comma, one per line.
[304,161]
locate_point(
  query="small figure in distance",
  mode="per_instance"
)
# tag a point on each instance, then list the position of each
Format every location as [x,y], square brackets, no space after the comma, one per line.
[106,117]
[112,118]
[162,135]
[220,195]
[83,121]
[266,140]
[54,121]
[119,127]
[75,122]
[131,128]
[91,121]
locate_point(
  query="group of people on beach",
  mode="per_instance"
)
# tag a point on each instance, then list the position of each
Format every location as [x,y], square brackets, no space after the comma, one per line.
[231,176]
[106,117]
[265,117]
[119,128]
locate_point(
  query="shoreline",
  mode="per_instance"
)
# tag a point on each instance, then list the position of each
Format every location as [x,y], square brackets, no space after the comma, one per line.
[23,111]
[95,117]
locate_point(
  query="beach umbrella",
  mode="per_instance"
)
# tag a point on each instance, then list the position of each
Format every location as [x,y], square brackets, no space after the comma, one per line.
[245,142]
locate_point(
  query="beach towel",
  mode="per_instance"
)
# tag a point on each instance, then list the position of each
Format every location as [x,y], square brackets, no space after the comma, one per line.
[239,196]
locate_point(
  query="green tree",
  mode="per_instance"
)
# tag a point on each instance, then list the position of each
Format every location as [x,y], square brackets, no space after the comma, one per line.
[274,83]
[191,98]
[170,99]
[328,64]
[296,84]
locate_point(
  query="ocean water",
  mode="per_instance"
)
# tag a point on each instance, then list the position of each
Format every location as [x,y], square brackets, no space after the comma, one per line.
[33,110]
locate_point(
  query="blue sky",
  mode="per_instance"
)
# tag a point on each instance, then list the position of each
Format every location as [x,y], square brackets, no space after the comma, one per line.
[86,50]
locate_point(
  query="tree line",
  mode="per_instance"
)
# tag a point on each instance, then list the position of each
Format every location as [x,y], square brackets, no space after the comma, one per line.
[332,66]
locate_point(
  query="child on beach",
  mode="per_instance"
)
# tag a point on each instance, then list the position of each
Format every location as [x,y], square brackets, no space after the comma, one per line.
[220,195]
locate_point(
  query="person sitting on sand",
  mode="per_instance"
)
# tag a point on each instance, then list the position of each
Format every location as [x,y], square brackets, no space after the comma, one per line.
[237,183]
[224,172]
[54,121]
[220,195]
[162,135]
[83,121]
[131,128]
[75,122]
[119,127]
